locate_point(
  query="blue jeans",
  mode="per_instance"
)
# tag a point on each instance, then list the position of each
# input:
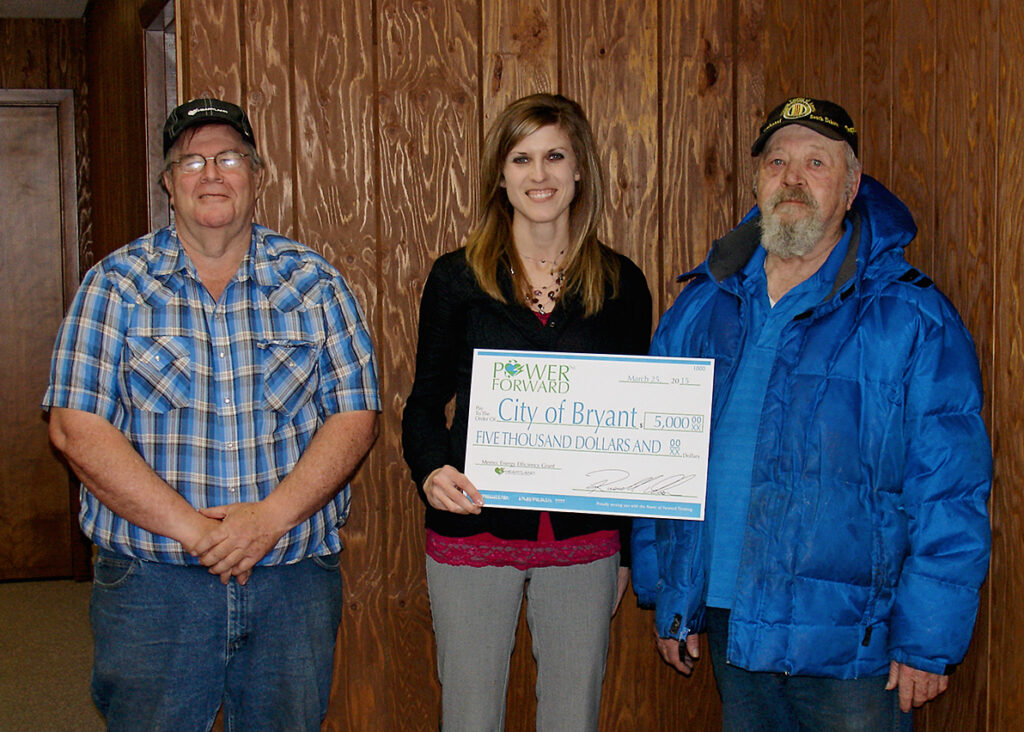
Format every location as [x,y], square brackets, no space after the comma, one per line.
[173,644]
[758,701]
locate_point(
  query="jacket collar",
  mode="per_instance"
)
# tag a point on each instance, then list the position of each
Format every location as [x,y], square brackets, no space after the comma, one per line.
[732,252]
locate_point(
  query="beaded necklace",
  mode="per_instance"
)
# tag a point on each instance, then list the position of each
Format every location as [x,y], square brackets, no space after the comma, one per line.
[552,289]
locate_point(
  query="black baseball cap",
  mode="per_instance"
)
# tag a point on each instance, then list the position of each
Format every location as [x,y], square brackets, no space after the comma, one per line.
[206,111]
[820,115]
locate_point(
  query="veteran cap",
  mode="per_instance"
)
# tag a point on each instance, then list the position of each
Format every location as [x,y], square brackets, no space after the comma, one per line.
[206,111]
[820,115]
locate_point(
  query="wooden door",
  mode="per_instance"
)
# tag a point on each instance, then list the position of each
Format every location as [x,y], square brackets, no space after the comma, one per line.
[38,273]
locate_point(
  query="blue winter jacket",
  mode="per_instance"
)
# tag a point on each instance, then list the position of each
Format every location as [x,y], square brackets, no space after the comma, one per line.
[867,536]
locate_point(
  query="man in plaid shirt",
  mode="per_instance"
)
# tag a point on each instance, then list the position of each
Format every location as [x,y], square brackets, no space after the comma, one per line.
[213,387]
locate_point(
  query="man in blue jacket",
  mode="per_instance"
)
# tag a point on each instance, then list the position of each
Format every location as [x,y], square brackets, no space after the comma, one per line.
[846,530]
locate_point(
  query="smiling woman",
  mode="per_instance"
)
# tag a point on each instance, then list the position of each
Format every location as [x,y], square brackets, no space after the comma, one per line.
[539,178]
[533,276]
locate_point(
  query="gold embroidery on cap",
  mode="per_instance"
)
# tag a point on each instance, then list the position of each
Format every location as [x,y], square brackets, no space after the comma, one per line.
[797,108]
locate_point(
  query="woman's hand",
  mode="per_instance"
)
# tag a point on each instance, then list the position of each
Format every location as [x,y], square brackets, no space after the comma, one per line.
[447,489]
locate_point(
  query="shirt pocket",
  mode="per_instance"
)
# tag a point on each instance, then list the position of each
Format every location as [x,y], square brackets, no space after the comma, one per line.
[290,377]
[159,372]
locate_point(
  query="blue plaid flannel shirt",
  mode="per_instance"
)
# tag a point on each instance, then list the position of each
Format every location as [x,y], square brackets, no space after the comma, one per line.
[220,399]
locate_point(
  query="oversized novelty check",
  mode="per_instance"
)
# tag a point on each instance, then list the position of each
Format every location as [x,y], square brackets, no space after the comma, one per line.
[621,435]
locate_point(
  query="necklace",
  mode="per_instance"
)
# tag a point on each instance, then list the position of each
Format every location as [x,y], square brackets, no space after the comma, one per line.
[543,261]
[535,296]
[542,298]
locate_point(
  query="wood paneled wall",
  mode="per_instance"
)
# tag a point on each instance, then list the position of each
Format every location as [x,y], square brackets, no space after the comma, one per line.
[115,75]
[371,116]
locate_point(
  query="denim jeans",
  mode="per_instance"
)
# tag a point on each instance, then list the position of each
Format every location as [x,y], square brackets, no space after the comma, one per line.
[173,644]
[757,701]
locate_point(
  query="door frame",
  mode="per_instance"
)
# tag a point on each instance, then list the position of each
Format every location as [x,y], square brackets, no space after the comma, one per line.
[63,101]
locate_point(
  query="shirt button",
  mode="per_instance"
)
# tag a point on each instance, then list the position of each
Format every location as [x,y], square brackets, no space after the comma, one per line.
[227,400]
[221,354]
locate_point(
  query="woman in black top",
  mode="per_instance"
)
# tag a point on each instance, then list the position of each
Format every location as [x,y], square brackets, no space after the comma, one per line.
[532,276]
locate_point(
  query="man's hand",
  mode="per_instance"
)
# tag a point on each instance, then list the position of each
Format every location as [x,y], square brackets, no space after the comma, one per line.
[916,686]
[245,534]
[681,662]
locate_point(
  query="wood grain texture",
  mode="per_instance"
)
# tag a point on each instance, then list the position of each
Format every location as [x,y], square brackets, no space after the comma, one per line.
[519,47]
[117,137]
[874,123]
[266,29]
[748,71]
[1006,581]
[608,51]
[699,157]
[429,122]
[827,40]
[30,53]
[785,62]
[336,212]
[210,51]
[914,127]
[962,263]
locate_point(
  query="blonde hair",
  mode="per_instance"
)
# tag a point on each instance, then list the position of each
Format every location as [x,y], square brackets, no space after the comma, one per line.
[587,266]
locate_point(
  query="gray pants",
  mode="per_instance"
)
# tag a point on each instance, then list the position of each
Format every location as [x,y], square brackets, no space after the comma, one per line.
[475,612]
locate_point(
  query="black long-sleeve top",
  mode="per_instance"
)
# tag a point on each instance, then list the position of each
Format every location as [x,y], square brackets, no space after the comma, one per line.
[457,316]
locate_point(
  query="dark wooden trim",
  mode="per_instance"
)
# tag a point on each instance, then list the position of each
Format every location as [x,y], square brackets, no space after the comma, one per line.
[150,10]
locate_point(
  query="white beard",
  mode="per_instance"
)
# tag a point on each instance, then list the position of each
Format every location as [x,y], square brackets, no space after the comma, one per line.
[793,238]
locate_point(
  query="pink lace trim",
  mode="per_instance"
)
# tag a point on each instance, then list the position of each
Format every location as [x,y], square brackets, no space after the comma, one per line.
[487,550]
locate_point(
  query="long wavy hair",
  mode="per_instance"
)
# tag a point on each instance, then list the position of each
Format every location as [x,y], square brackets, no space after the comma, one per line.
[588,267]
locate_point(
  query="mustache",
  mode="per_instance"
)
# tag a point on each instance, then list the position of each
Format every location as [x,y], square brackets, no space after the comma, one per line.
[793,194]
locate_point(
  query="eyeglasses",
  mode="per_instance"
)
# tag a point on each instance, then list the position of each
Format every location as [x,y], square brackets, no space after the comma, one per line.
[226,161]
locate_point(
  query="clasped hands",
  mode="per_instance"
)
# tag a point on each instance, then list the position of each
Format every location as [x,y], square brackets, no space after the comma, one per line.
[233,538]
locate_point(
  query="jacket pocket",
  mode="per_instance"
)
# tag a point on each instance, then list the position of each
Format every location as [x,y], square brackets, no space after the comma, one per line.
[159,372]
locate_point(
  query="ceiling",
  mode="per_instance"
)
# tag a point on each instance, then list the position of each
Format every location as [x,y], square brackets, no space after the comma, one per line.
[42,8]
